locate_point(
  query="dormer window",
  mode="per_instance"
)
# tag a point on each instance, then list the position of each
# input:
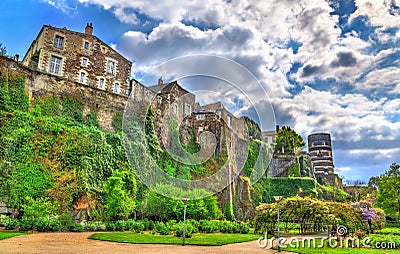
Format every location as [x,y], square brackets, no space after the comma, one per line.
[111,67]
[59,42]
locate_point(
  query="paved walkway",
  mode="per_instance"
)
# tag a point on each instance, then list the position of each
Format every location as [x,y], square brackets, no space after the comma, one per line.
[78,243]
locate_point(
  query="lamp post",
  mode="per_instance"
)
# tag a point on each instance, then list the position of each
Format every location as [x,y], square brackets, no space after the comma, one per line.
[184,200]
[278,199]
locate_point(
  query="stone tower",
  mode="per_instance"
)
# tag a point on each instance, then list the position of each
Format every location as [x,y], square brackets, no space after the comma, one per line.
[320,150]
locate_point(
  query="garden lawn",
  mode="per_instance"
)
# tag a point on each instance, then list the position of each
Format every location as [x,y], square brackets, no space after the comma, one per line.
[196,239]
[5,235]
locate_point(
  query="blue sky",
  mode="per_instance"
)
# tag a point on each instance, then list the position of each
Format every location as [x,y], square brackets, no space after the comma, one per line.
[327,66]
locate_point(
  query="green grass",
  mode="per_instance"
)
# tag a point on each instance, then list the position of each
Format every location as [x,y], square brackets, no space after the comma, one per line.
[5,235]
[337,250]
[197,239]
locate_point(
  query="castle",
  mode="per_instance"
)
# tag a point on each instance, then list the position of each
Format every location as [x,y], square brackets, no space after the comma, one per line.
[62,62]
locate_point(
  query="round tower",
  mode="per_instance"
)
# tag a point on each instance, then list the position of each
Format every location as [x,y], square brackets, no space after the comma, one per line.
[320,150]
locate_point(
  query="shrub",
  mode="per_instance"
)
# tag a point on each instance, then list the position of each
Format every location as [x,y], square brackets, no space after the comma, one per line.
[54,225]
[188,232]
[66,221]
[120,225]
[129,224]
[110,226]
[12,224]
[76,227]
[161,228]
[391,231]
[208,226]
[171,224]
[27,223]
[3,220]
[138,227]
[42,224]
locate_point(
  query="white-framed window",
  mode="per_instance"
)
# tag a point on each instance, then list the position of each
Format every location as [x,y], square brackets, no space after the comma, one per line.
[175,110]
[101,84]
[159,99]
[111,67]
[188,109]
[200,128]
[55,64]
[84,62]
[86,45]
[82,77]
[59,42]
[149,94]
[200,117]
[229,121]
[116,88]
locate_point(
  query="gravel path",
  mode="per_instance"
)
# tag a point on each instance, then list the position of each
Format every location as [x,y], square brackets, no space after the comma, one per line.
[78,243]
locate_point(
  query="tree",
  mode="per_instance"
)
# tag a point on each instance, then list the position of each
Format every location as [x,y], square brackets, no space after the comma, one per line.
[388,184]
[288,141]
[120,190]
[253,129]
[3,50]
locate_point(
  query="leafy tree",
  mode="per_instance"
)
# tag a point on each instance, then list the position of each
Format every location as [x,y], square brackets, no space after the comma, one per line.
[388,184]
[3,50]
[253,129]
[288,141]
[120,189]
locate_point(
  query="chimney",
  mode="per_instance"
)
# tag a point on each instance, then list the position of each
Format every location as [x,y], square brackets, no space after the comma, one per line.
[16,57]
[89,29]
[160,81]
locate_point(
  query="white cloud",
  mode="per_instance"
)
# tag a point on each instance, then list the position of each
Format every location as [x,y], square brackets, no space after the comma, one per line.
[379,12]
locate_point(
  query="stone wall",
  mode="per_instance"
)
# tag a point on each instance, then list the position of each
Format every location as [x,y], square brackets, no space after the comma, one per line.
[72,53]
[40,83]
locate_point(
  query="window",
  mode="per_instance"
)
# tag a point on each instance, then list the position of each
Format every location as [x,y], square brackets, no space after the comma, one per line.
[59,42]
[229,121]
[82,77]
[116,88]
[200,117]
[86,45]
[200,128]
[84,62]
[101,83]
[187,109]
[159,99]
[55,65]
[175,110]
[111,67]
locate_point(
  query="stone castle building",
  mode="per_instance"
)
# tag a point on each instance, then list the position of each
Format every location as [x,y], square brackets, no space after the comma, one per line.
[79,57]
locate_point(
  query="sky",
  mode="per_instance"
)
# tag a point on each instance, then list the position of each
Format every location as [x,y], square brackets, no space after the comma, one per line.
[325,65]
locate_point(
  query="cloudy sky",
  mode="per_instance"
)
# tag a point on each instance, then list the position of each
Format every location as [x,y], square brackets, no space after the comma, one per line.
[327,66]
